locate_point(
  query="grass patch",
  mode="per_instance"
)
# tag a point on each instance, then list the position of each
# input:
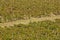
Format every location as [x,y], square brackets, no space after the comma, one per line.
[45,30]
[20,9]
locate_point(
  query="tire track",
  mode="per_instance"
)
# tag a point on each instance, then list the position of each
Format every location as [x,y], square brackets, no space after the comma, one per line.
[26,22]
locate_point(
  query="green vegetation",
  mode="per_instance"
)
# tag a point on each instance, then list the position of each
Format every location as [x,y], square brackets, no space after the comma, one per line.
[23,9]
[45,30]
[11,10]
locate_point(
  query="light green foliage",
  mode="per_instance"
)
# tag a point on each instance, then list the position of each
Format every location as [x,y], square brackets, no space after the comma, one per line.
[45,30]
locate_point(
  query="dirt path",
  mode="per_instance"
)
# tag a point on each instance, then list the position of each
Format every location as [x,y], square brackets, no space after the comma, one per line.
[51,18]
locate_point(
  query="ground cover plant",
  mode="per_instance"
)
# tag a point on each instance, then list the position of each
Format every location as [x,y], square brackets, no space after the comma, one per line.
[11,10]
[45,30]
[23,9]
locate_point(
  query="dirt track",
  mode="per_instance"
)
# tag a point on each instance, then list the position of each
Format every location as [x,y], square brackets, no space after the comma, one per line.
[51,18]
